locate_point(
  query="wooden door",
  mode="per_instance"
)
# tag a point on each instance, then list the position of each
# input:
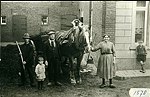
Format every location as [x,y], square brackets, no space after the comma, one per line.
[19,27]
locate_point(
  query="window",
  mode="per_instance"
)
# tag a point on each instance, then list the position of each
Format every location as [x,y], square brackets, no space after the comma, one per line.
[44,20]
[141,20]
[66,3]
[3,20]
[139,30]
[141,3]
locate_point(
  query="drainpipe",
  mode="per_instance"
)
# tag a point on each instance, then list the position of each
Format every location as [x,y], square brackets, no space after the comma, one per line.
[148,25]
[104,18]
[81,15]
[90,19]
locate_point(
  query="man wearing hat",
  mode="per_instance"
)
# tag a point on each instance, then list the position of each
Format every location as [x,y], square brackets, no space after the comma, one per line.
[52,56]
[27,53]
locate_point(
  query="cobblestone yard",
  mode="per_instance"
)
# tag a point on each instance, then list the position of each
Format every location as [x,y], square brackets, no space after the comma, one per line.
[89,88]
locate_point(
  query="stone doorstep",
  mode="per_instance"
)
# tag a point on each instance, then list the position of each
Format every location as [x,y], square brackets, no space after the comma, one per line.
[125,74]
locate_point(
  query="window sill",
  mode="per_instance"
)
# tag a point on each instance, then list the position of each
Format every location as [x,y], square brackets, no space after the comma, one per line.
[3,24]
[133,47]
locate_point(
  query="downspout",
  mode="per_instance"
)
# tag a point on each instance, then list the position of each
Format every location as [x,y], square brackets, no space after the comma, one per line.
[148,25]
[104,18]
[81,15]
[90,20]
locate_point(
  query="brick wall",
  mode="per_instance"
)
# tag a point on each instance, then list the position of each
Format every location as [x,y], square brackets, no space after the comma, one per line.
[96,18]
[6,30]
[34,11]
[101,23]
[110,19]
[97,27]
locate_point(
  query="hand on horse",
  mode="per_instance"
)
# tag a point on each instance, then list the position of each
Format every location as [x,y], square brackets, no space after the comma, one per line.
[87,50]
[92,48]
[88,47]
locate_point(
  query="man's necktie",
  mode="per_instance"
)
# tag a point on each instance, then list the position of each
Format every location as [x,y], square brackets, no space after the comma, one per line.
[52,42]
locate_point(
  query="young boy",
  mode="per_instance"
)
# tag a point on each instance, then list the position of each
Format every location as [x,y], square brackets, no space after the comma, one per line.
[141,55]
[40,72]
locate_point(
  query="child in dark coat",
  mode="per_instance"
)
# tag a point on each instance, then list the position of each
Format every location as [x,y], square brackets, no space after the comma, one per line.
[141,53]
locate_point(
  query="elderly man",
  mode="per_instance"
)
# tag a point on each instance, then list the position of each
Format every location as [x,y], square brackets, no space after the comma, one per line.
[52,56]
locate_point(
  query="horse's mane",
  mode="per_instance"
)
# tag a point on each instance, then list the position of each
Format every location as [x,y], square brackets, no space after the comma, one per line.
[62,35]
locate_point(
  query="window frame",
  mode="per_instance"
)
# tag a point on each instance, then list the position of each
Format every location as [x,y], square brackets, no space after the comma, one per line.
[44,23]
[2,20]
[63,4]
[135,9]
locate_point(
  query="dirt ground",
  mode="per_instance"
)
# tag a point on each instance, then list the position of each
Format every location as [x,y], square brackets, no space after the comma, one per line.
[88,88]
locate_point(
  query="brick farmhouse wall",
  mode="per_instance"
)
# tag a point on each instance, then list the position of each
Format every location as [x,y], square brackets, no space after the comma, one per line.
[111,17]
[34,11]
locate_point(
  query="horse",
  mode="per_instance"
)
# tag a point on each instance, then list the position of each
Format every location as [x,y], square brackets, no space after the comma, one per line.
[72,45]
[73,49]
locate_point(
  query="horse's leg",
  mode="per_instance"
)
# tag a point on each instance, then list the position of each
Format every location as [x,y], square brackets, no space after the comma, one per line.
[78,76]
[72,74]
[63,63]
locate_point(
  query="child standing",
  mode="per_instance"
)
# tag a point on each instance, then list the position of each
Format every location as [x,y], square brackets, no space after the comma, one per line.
[40,72]
[141,55]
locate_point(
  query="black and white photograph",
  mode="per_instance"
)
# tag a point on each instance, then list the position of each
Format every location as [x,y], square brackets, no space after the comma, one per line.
[75,49]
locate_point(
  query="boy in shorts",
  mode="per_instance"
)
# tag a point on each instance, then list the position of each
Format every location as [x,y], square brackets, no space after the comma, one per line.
[141,53]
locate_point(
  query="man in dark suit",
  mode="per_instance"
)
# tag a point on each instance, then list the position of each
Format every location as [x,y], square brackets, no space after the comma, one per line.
[52,56]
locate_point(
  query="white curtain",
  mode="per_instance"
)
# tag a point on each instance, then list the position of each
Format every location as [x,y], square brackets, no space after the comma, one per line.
[140,21]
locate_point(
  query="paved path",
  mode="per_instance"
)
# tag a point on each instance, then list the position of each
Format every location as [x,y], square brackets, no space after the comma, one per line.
[124,74]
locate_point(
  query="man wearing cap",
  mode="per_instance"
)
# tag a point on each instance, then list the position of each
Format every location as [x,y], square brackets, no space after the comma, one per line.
[27,53]
[52,56]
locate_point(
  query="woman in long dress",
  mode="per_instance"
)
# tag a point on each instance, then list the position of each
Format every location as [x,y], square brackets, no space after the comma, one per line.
[106,66]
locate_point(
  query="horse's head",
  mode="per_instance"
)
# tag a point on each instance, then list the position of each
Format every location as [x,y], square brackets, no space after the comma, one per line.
[76,22]
[82,36]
